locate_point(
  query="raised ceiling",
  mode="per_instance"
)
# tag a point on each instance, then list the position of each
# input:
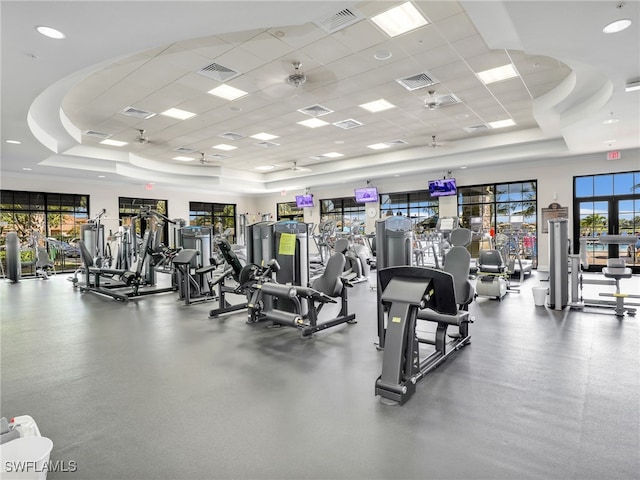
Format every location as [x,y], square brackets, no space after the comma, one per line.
[558,102]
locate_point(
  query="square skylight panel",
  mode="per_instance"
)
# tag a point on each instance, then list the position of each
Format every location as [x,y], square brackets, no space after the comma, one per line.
[377,105]
[502,123]
[313,123]
[264,136]
[497,74]
[227,92]
[400,19]
[177,113]
[113,143]
[333,155]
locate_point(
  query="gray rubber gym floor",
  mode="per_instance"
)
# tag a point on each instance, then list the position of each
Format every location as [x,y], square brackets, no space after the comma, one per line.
[152,389]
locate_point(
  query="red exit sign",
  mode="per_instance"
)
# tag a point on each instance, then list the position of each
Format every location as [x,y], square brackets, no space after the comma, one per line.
[615,155]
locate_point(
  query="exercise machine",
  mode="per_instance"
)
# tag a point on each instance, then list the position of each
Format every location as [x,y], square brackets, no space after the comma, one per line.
[307,301]
[190,280]
[241,276]
[412,293]
[566,280]
[393,248]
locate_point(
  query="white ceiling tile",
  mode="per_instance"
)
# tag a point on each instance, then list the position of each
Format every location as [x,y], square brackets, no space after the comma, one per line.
[298,36]
[436,11]
[266,46]
[240,60]
[326,50]
[360,36]
[457,27]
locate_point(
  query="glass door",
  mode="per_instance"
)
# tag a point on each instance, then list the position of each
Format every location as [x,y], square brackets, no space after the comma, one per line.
[594,222]
[628,213]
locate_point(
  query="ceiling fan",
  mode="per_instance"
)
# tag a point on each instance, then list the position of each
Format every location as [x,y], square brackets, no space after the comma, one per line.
[142,138]
[297,78]
[296,168]
[434,143]
[432,102]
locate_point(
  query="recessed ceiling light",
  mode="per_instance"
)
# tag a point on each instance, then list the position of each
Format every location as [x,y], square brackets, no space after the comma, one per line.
[180,158]
[378,146]
[313,123]
[101,176]
[502,123]
[617,26]
[400,19]
[265,167]
[50,32]
[26,168]
[224,146]
[497,74]
[377,105]
[264,136]
[177,113]
[113,143]
[397,175]
[339,142]
[13,142]
[227,92]
[610,121]
[609,141]
[463,168]
[333,155]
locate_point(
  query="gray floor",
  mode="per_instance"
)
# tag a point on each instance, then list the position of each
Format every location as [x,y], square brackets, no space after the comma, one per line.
[152,389]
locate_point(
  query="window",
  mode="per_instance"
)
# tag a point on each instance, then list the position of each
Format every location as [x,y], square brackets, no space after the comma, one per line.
[606,204]
[220,216]
[130,207]
[348,215]
[505,208]
[289,211]
[419,206]
[50,220]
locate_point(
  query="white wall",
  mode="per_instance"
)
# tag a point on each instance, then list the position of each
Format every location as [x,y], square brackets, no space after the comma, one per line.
[554,177]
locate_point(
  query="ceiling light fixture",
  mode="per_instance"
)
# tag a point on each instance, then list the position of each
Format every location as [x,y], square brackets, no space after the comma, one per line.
[264,168]
[113,143]
[224,146]
[13,142]
[400,19]
[378,146]
[101,176]
[27,169]
[610,121]
[50,32]
[497,74]
[264,136]
[617,26]
[313,123]
[177,113]
[333,155]
[382,55]
[227,92]
[632,86]
[377,105]
[183,159]
[502,123]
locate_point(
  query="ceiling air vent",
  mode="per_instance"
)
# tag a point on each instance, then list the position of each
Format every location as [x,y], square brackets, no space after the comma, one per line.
[93,133]
[218,156]
[218,72]
[232,136]
[184,150]
[339,20]
[420,80]
[315,110]
[445,100]
[137,113]
[267,144]
[476,128]
[394,143]
[349,123]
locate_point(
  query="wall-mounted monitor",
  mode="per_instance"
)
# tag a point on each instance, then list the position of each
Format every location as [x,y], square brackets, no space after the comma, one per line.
[304,201]
[442,188]
[366,195]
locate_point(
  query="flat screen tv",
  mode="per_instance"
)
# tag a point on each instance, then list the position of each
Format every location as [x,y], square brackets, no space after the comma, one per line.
[304,201]
[366,195]
[442,188]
